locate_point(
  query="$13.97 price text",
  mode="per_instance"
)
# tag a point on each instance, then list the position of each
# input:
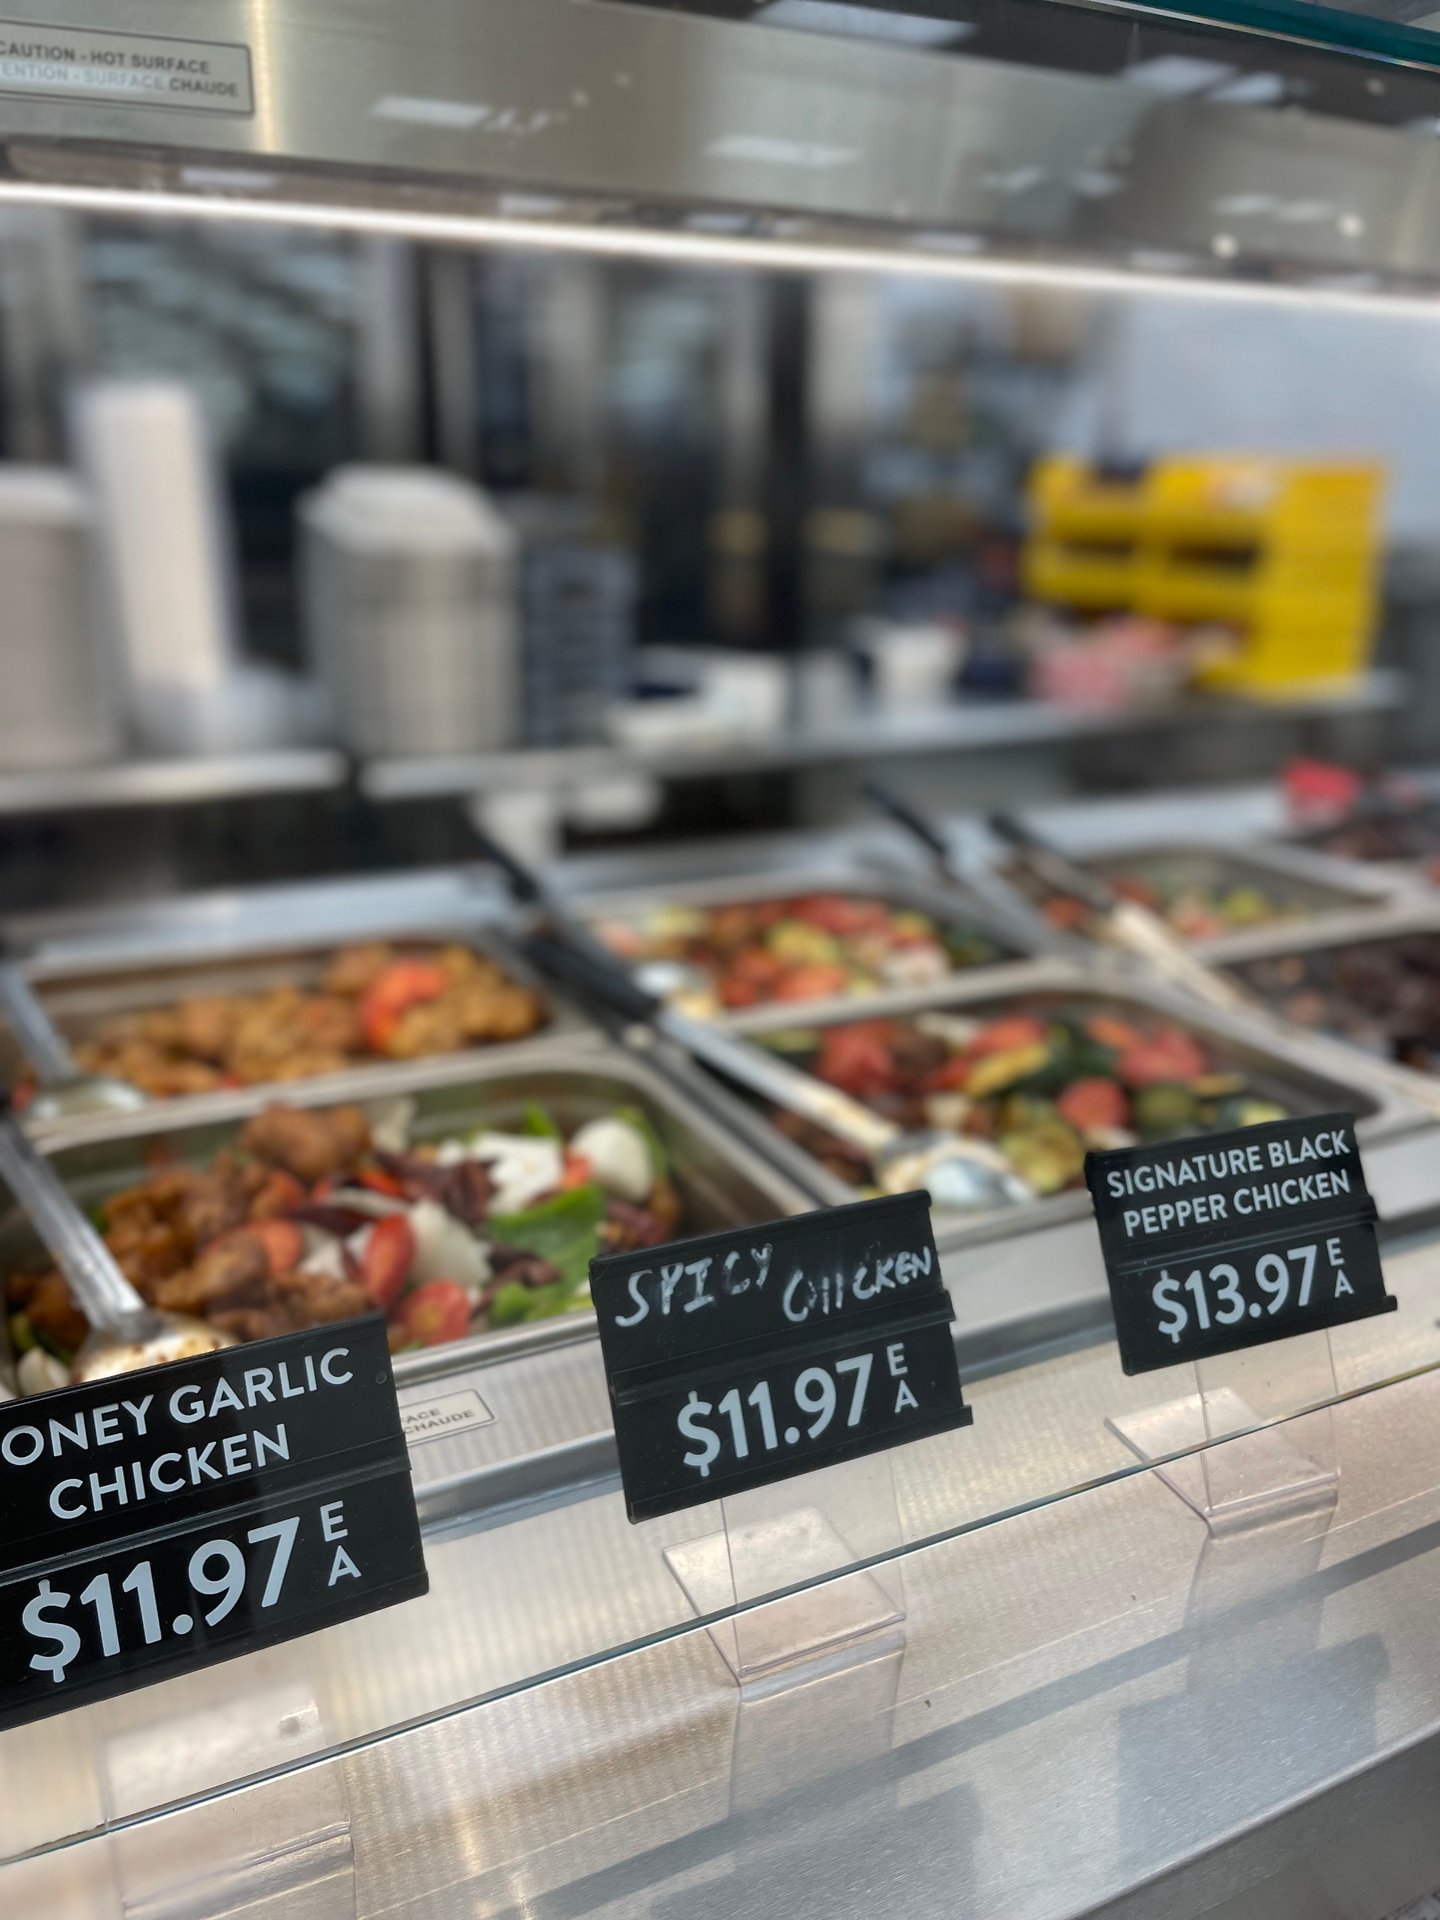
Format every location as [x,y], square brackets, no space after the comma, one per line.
[1273,1284]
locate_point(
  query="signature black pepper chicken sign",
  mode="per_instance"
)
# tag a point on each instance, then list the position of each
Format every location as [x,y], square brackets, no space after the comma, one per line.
[159,1520]
[1225,1242]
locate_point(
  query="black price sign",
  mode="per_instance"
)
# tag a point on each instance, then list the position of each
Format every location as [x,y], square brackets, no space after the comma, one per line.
[161,1520]
[740,1358]
[1227,1241]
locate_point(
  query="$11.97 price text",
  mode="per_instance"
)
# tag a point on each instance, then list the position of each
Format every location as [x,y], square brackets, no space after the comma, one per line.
[115,1611]
[801,1408]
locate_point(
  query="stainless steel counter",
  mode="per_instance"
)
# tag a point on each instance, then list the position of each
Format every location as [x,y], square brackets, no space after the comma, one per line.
[1094,1709]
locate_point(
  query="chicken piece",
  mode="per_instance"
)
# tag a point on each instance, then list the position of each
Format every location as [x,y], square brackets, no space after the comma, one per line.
[462,965]
[206,1025]
[332,1024]
[435,1027]
[54,1315]
[20,1289]
[146,1253]
[209,1204]
[502,1012]
[315,1299]
[235,1273]
[353,969]
[309,1145]
[253,1323]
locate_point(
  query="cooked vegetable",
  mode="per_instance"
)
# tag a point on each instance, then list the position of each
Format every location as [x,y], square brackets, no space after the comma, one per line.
[802,947]
[1178,888]
[562,1230]
[1044,1083]
[1164,1110]
[387,1259]
[1094,1103]
[432,1314]
[619,1157]
[1049,1154]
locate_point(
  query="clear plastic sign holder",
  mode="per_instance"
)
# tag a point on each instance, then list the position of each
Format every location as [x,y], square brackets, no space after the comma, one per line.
[281,1845]
[1262,1471]
[789,1535]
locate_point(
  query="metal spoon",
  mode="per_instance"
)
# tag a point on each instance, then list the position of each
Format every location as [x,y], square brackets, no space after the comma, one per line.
[125,1333]
[63,1089]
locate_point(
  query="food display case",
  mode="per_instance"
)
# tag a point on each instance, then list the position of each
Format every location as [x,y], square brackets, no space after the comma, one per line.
[1065,1692]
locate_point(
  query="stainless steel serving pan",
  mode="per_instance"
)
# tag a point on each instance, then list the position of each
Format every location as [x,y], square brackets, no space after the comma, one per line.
[89,984]
[1372,927]
[1375,920]
[1319,892]
[1311,1075]
[1306,849]
[722,1180]
[1013,930]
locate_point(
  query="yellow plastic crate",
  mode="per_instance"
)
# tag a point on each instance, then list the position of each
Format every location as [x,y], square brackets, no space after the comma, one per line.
[1284,551]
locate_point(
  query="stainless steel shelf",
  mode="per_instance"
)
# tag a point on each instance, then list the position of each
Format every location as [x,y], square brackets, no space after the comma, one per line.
[164,783]
[976,728]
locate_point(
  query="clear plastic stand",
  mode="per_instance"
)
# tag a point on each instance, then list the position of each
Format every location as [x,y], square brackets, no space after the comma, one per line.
[786,1535]
[287,1849]
[1262,1472]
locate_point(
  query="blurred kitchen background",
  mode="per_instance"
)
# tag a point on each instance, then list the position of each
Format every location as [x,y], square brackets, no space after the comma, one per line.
[314,541]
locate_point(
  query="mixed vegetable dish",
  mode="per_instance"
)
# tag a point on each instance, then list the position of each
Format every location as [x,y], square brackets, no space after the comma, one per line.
[314,1216]
[812,946]
[1044,1083]
[373,1002]
[1383,995]
[1194,907]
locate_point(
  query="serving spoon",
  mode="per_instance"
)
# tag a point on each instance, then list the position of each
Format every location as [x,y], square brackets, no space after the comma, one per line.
[125,1333]
[62,1090]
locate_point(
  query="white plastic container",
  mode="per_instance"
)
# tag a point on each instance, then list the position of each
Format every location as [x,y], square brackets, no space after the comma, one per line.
[167,553]
[59,707]
[409,590]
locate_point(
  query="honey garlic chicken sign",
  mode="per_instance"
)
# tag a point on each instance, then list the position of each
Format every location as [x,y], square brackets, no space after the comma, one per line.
[160,1520]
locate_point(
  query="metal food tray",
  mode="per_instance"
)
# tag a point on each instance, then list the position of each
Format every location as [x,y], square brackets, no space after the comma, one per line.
[1308,851]
[1283,1063]
[1321,890]
[1012,930]
[721,1179]
[1374,927]
[91,983]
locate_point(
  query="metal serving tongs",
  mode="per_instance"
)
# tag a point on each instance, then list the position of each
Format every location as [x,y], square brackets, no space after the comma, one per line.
[962,1175]
[1120,922]
[125,1333]
[63,1089]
